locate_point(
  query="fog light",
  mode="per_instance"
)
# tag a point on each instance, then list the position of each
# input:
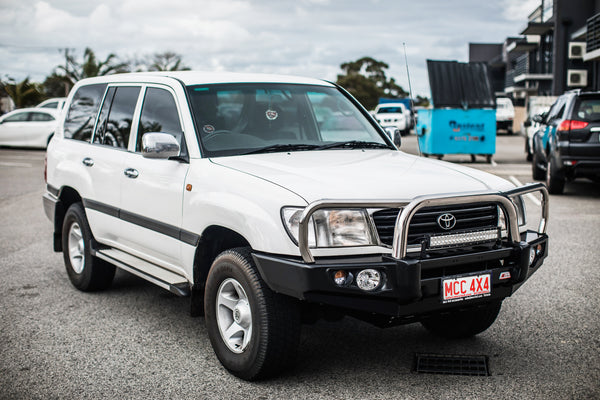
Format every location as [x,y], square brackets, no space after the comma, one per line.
[531,255]
[368,279]
[342,278]
[538,250]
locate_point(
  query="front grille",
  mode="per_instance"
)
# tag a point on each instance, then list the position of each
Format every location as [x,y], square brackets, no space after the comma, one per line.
[469,217]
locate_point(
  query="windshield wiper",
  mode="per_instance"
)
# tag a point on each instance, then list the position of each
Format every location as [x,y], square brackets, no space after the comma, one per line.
[284,147]
[355,144]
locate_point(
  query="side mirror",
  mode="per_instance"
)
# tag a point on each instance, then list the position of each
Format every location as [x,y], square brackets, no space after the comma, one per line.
[527,123]
[537,118]
[159,145]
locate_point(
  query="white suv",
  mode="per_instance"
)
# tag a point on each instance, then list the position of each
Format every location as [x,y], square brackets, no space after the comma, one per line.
[273,201]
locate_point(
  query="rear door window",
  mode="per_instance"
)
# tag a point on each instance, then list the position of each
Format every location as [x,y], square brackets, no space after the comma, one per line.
[82,112]
[41,117]
[116,116]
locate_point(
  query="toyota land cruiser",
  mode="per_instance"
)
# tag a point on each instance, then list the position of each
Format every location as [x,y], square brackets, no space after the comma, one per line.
[271,201]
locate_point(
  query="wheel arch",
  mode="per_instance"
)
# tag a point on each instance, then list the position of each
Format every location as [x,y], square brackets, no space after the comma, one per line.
[66,197]
[214,240]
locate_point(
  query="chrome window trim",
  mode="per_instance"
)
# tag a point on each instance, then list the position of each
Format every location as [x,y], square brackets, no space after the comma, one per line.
[410,207]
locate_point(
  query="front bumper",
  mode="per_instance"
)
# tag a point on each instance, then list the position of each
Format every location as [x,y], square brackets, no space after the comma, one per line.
[412,285]
[412,282]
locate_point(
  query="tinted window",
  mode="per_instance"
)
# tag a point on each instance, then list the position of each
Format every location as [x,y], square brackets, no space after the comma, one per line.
[18,117]
[41,117]
[53,104]
[114,123]
[587,109]
[82,112]
[159,114]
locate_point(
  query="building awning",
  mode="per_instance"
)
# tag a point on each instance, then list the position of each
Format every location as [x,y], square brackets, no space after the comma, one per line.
[521,46]
[538,28]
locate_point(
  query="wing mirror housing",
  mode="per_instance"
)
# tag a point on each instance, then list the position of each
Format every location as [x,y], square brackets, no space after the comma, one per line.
[159,145]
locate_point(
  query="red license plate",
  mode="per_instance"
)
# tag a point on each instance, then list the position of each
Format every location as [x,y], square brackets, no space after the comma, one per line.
[466,287]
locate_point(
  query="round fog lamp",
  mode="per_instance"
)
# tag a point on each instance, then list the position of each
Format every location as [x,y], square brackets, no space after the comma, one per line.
[368,279]
[340,277]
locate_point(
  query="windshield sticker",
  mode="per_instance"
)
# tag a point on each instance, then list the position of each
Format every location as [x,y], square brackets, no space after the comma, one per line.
[271,115]
[208,128]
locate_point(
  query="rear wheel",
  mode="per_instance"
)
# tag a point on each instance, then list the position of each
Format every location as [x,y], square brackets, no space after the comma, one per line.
[463,323]
[86,272]
[555,179]
[254,332]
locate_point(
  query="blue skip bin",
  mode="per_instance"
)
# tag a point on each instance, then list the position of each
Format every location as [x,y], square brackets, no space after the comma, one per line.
[463,120]
[457,131]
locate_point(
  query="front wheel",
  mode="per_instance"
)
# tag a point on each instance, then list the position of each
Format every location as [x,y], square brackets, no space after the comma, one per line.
[254,332]
[463,323]
[86,272]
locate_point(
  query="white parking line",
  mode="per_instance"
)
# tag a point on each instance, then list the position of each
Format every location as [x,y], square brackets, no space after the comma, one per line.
[529,195]
[11,164]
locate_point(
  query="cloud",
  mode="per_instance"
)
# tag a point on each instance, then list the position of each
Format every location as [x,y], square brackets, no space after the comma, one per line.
[301,37]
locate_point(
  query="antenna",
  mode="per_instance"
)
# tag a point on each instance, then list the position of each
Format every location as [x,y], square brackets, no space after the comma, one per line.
[412,103]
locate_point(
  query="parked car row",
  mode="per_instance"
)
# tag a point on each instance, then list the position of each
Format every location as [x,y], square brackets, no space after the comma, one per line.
[566,145]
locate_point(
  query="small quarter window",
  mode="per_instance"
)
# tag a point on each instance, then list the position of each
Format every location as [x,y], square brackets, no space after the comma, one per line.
[82,112]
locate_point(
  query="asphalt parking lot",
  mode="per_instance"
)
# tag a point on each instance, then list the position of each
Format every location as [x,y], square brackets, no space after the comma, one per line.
[136,340]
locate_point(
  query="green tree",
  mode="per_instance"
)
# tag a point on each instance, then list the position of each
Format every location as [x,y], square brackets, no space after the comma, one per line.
[366,79]
[56,85]
[91,66]
[167,61]
[24,93]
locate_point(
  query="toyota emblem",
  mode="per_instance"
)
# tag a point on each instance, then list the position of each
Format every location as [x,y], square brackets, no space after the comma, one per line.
[446,221]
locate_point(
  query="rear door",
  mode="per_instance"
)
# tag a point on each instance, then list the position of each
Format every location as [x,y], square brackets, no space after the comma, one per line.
[103,161]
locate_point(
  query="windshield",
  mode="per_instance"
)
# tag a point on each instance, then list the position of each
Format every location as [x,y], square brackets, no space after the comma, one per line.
[239,119]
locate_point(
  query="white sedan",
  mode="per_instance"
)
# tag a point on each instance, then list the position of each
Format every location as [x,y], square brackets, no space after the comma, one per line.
[28,127]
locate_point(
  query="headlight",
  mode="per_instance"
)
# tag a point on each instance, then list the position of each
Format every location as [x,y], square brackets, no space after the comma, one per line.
[331,227]
[521,215]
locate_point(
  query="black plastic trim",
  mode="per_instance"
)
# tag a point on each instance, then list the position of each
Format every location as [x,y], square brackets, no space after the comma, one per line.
[148,223]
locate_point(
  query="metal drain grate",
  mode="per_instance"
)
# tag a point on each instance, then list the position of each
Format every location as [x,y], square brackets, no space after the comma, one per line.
[451,364]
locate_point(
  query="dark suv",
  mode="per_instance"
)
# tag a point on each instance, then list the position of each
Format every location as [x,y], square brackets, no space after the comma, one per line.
[567,145]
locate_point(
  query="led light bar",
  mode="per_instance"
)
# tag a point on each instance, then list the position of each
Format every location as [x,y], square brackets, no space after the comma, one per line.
[458,239]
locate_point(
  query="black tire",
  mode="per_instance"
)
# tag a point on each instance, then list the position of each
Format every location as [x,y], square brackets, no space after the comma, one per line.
[86,272]
[529,155]
[463,323]
[555,179]
[536,171]
[267,343]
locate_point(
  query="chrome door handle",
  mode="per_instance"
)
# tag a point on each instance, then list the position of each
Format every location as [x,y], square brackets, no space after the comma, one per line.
[88,162]
[131,173]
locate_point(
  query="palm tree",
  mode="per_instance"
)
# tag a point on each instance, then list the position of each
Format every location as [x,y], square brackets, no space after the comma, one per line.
[23,93]
[91,67]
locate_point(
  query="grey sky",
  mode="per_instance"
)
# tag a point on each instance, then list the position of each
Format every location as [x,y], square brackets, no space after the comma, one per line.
[300,37]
